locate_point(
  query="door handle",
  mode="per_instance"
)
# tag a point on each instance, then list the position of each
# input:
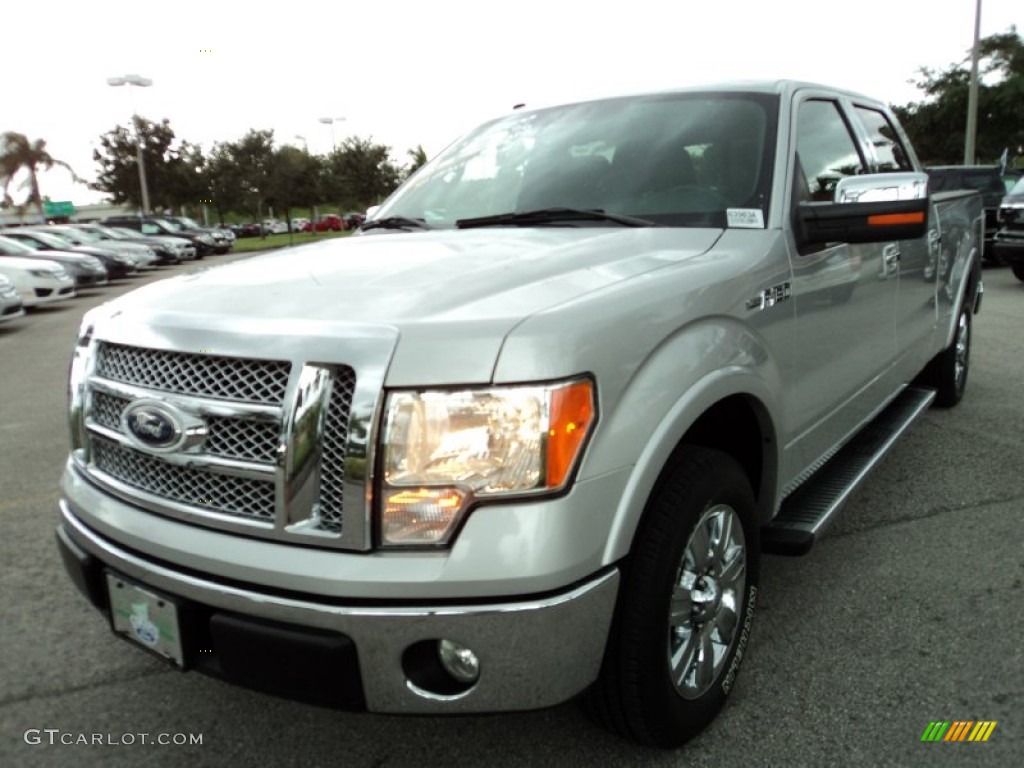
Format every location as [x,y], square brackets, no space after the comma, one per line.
[890,260]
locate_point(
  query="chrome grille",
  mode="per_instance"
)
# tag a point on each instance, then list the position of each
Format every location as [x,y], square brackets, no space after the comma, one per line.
[332,463]
[241,439]
[230,437]
[226,494]
[229,378]
[106,409]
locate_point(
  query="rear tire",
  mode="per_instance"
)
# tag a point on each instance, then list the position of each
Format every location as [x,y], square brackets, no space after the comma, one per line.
[950,368]
[685,606]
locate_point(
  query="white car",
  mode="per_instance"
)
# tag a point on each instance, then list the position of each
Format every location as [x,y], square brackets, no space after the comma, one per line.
[11,305]
[274,226]
[38,281]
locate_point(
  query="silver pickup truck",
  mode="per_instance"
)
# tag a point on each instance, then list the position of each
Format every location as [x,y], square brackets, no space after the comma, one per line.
[527,434]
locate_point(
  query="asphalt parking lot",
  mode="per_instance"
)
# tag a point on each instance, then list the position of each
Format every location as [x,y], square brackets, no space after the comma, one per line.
[910,610]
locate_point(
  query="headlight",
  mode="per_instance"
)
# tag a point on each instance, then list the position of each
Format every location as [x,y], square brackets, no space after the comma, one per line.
[42,273]
[94,264]
[443,451]
[206,239]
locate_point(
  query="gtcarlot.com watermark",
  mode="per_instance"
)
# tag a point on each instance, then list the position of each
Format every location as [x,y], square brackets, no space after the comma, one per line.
[57,736]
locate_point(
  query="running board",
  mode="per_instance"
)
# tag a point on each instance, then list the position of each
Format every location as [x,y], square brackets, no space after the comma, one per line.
[810,508]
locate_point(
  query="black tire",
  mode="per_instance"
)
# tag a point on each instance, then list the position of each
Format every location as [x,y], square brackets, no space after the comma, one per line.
[949,370]
[636,694]
[1018,269]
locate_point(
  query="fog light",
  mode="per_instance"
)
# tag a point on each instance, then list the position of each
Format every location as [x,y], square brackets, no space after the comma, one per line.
[458,661]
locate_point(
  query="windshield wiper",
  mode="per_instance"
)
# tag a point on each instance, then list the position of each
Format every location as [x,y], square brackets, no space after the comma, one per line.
[394,222]
[551,216]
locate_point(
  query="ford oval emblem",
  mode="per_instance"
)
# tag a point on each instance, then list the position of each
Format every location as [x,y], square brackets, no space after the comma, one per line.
[152,426]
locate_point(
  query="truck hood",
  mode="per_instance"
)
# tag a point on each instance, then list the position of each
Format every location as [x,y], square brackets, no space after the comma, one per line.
[441,302]
[412,278]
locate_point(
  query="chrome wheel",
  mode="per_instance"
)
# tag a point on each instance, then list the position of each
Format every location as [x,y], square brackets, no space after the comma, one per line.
[705,603]
[963,352]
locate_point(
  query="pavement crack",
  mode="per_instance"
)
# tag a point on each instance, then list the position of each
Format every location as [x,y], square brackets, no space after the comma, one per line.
[32,695]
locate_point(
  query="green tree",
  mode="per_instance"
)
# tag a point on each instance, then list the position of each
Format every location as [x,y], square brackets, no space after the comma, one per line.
[294,180]
[359,174]
[417,159]
[937,124]
[173,168]
[222,181]
[18,154]
[253,158]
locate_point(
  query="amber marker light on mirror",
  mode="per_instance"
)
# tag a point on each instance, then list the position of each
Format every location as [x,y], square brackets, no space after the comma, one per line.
[895,219]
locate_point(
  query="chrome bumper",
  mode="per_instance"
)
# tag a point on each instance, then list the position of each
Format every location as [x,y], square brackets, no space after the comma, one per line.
[533,651]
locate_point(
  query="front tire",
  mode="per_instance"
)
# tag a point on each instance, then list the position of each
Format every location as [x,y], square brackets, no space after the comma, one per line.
[685,606]
[1018,269]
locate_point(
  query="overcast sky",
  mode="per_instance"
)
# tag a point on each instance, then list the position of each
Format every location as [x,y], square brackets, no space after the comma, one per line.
[408,73]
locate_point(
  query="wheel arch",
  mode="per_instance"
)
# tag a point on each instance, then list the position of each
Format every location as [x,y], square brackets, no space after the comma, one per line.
[727,411]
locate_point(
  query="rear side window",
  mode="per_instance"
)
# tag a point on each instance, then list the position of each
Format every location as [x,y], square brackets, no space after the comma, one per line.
[888,147]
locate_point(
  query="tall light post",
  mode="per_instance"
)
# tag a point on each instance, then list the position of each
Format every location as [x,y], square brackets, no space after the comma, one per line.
[331,121]
[972,93]
[141,82]
[305,144]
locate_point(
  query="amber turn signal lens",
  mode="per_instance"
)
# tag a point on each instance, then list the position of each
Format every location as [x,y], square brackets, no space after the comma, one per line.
[572,411]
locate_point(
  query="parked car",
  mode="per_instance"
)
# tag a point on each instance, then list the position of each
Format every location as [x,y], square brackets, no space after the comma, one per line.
[172,249]
[353,220]
[168,250]
[328,222]
[38,281]
[81,234]
[985,179]
[275,226]
[86,270]
[1009,240]
[299,224]
[203,242]
[11,305]
[222,242]
[118,265]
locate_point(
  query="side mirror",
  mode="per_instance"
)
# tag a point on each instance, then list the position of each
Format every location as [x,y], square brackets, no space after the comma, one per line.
[874,208]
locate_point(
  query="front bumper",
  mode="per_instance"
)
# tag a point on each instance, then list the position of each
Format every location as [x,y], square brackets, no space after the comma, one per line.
[1009,245]
[534,651]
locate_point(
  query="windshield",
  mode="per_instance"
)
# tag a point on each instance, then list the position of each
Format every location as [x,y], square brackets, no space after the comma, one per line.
[169,225]
[677,160]
[80,235]
[108,232]
[1018,188]
[187,222]
[46,238]
[12,247]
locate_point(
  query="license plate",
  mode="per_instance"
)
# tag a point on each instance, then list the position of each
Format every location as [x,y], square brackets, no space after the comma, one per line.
[144,617]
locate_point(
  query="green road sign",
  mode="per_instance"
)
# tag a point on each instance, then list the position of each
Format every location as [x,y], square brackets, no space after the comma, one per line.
[59,208]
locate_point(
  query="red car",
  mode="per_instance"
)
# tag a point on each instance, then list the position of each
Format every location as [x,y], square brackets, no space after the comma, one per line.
[329,222]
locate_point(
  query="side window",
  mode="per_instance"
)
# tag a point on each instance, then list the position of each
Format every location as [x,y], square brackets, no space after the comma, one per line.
[826,152]
[150,229]
[888,148]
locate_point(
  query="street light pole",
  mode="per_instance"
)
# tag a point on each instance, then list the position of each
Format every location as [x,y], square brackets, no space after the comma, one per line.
[141,82]
[972,93]
[331,121]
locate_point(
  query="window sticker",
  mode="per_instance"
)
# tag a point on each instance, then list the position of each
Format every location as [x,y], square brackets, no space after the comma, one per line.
[745,218]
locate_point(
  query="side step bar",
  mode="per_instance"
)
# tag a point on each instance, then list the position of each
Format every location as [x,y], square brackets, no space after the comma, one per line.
[807,511]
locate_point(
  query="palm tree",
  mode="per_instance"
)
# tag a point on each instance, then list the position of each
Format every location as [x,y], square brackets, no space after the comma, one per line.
[17,154]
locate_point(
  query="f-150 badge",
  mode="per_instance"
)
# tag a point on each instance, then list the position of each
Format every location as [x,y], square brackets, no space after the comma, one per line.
[769,297]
